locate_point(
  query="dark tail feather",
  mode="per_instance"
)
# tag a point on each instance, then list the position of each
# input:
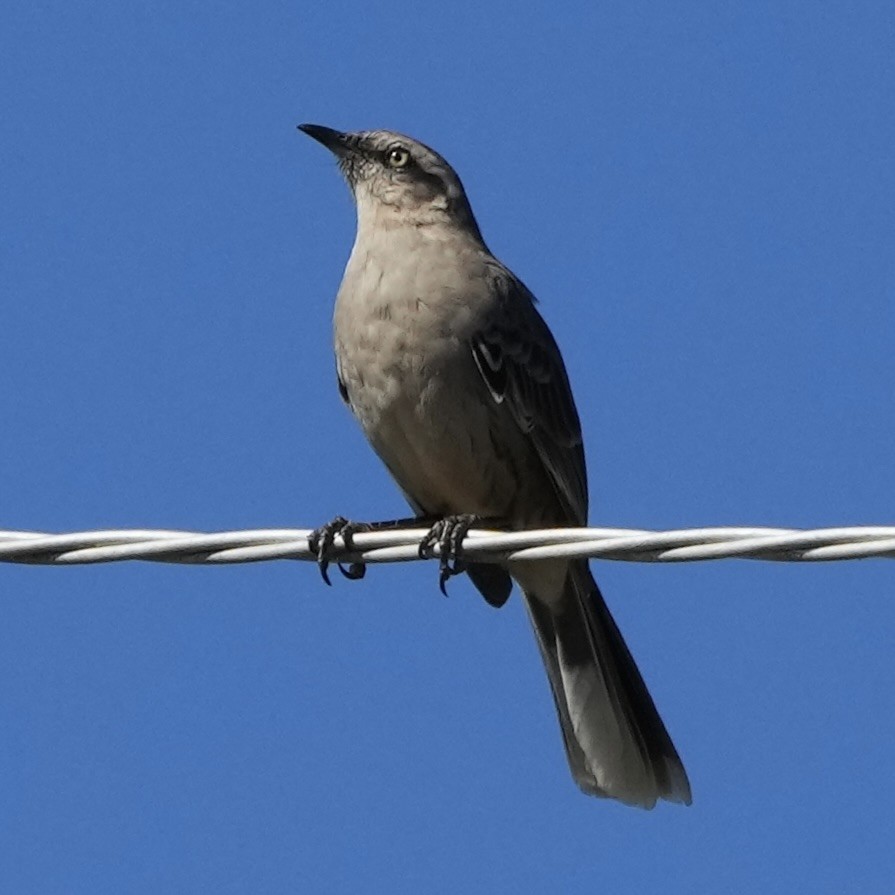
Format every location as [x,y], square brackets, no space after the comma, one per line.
[493,582]
[615,740]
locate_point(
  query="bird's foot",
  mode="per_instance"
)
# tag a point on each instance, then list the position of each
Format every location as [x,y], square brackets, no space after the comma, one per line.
[446,536]
[321,540]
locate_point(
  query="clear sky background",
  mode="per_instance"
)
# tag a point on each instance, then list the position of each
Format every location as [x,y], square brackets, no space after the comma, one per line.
[702,195]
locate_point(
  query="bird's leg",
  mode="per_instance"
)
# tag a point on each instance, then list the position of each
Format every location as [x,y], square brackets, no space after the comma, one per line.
[447,536]
[320,541]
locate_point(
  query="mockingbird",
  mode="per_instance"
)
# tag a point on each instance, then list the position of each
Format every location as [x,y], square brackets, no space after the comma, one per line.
[460,388]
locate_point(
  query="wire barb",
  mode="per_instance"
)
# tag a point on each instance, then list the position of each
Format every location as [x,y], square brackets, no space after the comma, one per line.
[402,545]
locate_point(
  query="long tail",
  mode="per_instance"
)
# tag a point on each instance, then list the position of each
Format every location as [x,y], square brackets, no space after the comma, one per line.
[615,740]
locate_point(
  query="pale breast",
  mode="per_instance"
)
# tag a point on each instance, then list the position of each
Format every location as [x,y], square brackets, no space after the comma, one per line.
[402,347]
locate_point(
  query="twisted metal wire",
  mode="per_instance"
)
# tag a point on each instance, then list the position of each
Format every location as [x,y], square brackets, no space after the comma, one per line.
[402,545]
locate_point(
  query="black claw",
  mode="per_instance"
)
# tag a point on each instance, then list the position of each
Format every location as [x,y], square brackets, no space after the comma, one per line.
[321,540]
[354,572]
[447,535]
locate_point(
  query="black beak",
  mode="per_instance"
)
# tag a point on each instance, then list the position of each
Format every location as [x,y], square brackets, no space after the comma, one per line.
[334,141]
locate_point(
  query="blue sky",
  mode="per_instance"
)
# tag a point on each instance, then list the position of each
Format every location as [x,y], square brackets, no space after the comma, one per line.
[703,198]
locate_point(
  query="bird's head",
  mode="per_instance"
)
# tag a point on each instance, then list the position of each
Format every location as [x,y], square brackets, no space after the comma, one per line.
[397,178]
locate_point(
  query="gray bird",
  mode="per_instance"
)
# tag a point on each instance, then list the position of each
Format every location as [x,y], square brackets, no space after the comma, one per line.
[460,388]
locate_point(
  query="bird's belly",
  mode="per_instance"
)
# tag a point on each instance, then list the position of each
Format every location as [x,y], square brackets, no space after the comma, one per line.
[439,450]
[413,385]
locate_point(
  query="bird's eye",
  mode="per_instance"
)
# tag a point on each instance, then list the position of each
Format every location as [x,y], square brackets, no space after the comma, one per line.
[397,157]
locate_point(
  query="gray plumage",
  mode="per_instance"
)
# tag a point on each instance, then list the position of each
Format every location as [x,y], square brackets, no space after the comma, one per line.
[460,388]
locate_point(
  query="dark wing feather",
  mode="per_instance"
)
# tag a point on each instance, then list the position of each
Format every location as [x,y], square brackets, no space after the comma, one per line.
[520,362]
[343,389]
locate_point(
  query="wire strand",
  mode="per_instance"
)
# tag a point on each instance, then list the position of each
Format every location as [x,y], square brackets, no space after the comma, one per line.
[402,545]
